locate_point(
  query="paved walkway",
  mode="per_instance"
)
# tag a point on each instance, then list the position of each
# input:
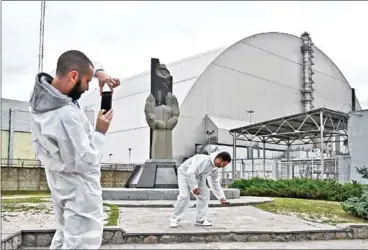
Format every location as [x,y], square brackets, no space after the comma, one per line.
[242,218]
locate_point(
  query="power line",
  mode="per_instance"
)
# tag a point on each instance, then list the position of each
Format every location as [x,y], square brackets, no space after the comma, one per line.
[271,81]
[289,60]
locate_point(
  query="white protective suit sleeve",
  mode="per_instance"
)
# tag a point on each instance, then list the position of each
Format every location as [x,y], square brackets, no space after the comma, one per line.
[196,167]
[78,149]
[96,66]
[216,185]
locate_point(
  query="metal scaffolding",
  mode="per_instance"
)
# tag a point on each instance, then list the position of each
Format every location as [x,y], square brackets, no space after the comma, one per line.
[299,129]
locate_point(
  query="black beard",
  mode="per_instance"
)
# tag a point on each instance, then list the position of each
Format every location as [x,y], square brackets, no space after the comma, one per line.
[76,91]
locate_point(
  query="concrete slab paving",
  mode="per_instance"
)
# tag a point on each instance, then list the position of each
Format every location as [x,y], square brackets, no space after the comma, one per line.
[230,219]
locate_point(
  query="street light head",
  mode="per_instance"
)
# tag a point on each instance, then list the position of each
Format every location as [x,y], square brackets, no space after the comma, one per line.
[210,132]
[250,111]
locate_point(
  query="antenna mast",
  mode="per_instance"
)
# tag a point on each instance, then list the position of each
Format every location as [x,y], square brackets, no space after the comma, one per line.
[42,30]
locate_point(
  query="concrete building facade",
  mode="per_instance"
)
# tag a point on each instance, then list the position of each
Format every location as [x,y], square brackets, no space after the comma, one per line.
[16,139]
[358,141]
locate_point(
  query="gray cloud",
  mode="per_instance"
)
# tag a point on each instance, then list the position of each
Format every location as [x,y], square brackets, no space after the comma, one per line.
[122,35]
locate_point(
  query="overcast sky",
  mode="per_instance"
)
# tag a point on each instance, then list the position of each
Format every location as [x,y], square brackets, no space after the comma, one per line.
[123,36]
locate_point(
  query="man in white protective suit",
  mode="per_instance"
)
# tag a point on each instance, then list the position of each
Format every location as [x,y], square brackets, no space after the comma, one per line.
[192,176]
[71,149]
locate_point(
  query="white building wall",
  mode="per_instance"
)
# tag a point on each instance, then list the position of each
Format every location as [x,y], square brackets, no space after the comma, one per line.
[358,144]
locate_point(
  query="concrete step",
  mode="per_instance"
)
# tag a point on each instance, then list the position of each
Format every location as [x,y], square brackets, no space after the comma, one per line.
[332,244]
[139,194]
[242,201]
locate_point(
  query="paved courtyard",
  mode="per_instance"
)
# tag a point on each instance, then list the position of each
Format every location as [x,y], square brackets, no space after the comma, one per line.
[156,220]
[142,219]
[235,219]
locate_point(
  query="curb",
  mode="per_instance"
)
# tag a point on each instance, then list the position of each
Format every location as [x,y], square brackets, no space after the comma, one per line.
[42,238]
[235,204]
[116,235]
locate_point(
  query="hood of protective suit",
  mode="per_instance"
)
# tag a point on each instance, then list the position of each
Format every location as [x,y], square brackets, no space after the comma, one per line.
[213,157]
[46,97]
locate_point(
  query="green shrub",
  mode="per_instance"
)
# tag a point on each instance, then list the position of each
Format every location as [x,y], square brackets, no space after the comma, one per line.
[358,205]
[298,188]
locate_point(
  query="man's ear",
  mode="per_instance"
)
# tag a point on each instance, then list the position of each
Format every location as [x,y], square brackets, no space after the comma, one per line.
[73,76]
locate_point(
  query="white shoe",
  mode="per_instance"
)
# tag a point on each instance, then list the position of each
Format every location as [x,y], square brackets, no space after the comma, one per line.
[204,223]
[174,224]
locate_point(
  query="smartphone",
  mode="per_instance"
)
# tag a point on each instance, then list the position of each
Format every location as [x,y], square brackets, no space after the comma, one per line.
[106,100]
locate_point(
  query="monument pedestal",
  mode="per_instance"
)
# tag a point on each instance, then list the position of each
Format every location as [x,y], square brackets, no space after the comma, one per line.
[156,173]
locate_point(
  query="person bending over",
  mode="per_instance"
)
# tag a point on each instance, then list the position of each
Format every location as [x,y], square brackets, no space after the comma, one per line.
[192,176]
[71,149]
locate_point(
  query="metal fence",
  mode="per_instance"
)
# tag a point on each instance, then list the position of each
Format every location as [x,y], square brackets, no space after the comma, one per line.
[334,169]
[29,163]
[117,166]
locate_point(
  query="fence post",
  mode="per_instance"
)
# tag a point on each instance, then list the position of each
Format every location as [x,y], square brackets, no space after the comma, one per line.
[11,137]
[39,178]
[18,178]
[115,176]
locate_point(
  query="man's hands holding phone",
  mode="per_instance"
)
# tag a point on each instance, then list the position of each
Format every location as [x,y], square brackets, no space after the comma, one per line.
[103,121]
[104,78]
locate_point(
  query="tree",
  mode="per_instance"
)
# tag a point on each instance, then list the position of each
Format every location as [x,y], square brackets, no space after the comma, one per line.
[363,171]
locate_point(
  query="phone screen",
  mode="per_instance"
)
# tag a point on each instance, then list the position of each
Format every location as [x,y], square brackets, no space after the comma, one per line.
[106,100]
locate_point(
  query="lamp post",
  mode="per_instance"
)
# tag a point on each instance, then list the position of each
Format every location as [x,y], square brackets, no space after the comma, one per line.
[250,112]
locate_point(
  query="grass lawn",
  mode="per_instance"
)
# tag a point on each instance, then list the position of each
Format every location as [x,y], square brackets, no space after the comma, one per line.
[328,212]
[113,215]
[25,193]
[24,204]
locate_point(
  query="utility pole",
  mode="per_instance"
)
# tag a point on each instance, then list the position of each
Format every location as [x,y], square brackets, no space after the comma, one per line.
[42,31]
[250,112]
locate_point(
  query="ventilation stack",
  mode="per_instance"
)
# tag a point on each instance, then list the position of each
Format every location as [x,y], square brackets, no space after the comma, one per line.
[307,89]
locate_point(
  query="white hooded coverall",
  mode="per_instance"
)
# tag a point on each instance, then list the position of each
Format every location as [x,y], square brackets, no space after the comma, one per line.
[193,174]
[71,151]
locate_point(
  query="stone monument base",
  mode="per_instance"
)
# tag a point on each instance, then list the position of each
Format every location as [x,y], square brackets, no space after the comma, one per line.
[156,173]
[140,194]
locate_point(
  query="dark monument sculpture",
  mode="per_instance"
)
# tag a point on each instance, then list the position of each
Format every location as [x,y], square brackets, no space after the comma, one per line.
[162,113]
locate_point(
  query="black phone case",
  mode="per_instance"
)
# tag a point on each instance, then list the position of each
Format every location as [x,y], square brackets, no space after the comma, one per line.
[106,100]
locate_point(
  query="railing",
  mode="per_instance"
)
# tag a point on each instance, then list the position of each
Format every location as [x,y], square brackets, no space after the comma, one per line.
[279,169]
[29,163]
[117,166]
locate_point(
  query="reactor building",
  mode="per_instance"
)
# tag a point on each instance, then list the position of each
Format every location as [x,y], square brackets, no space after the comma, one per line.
[261,77]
